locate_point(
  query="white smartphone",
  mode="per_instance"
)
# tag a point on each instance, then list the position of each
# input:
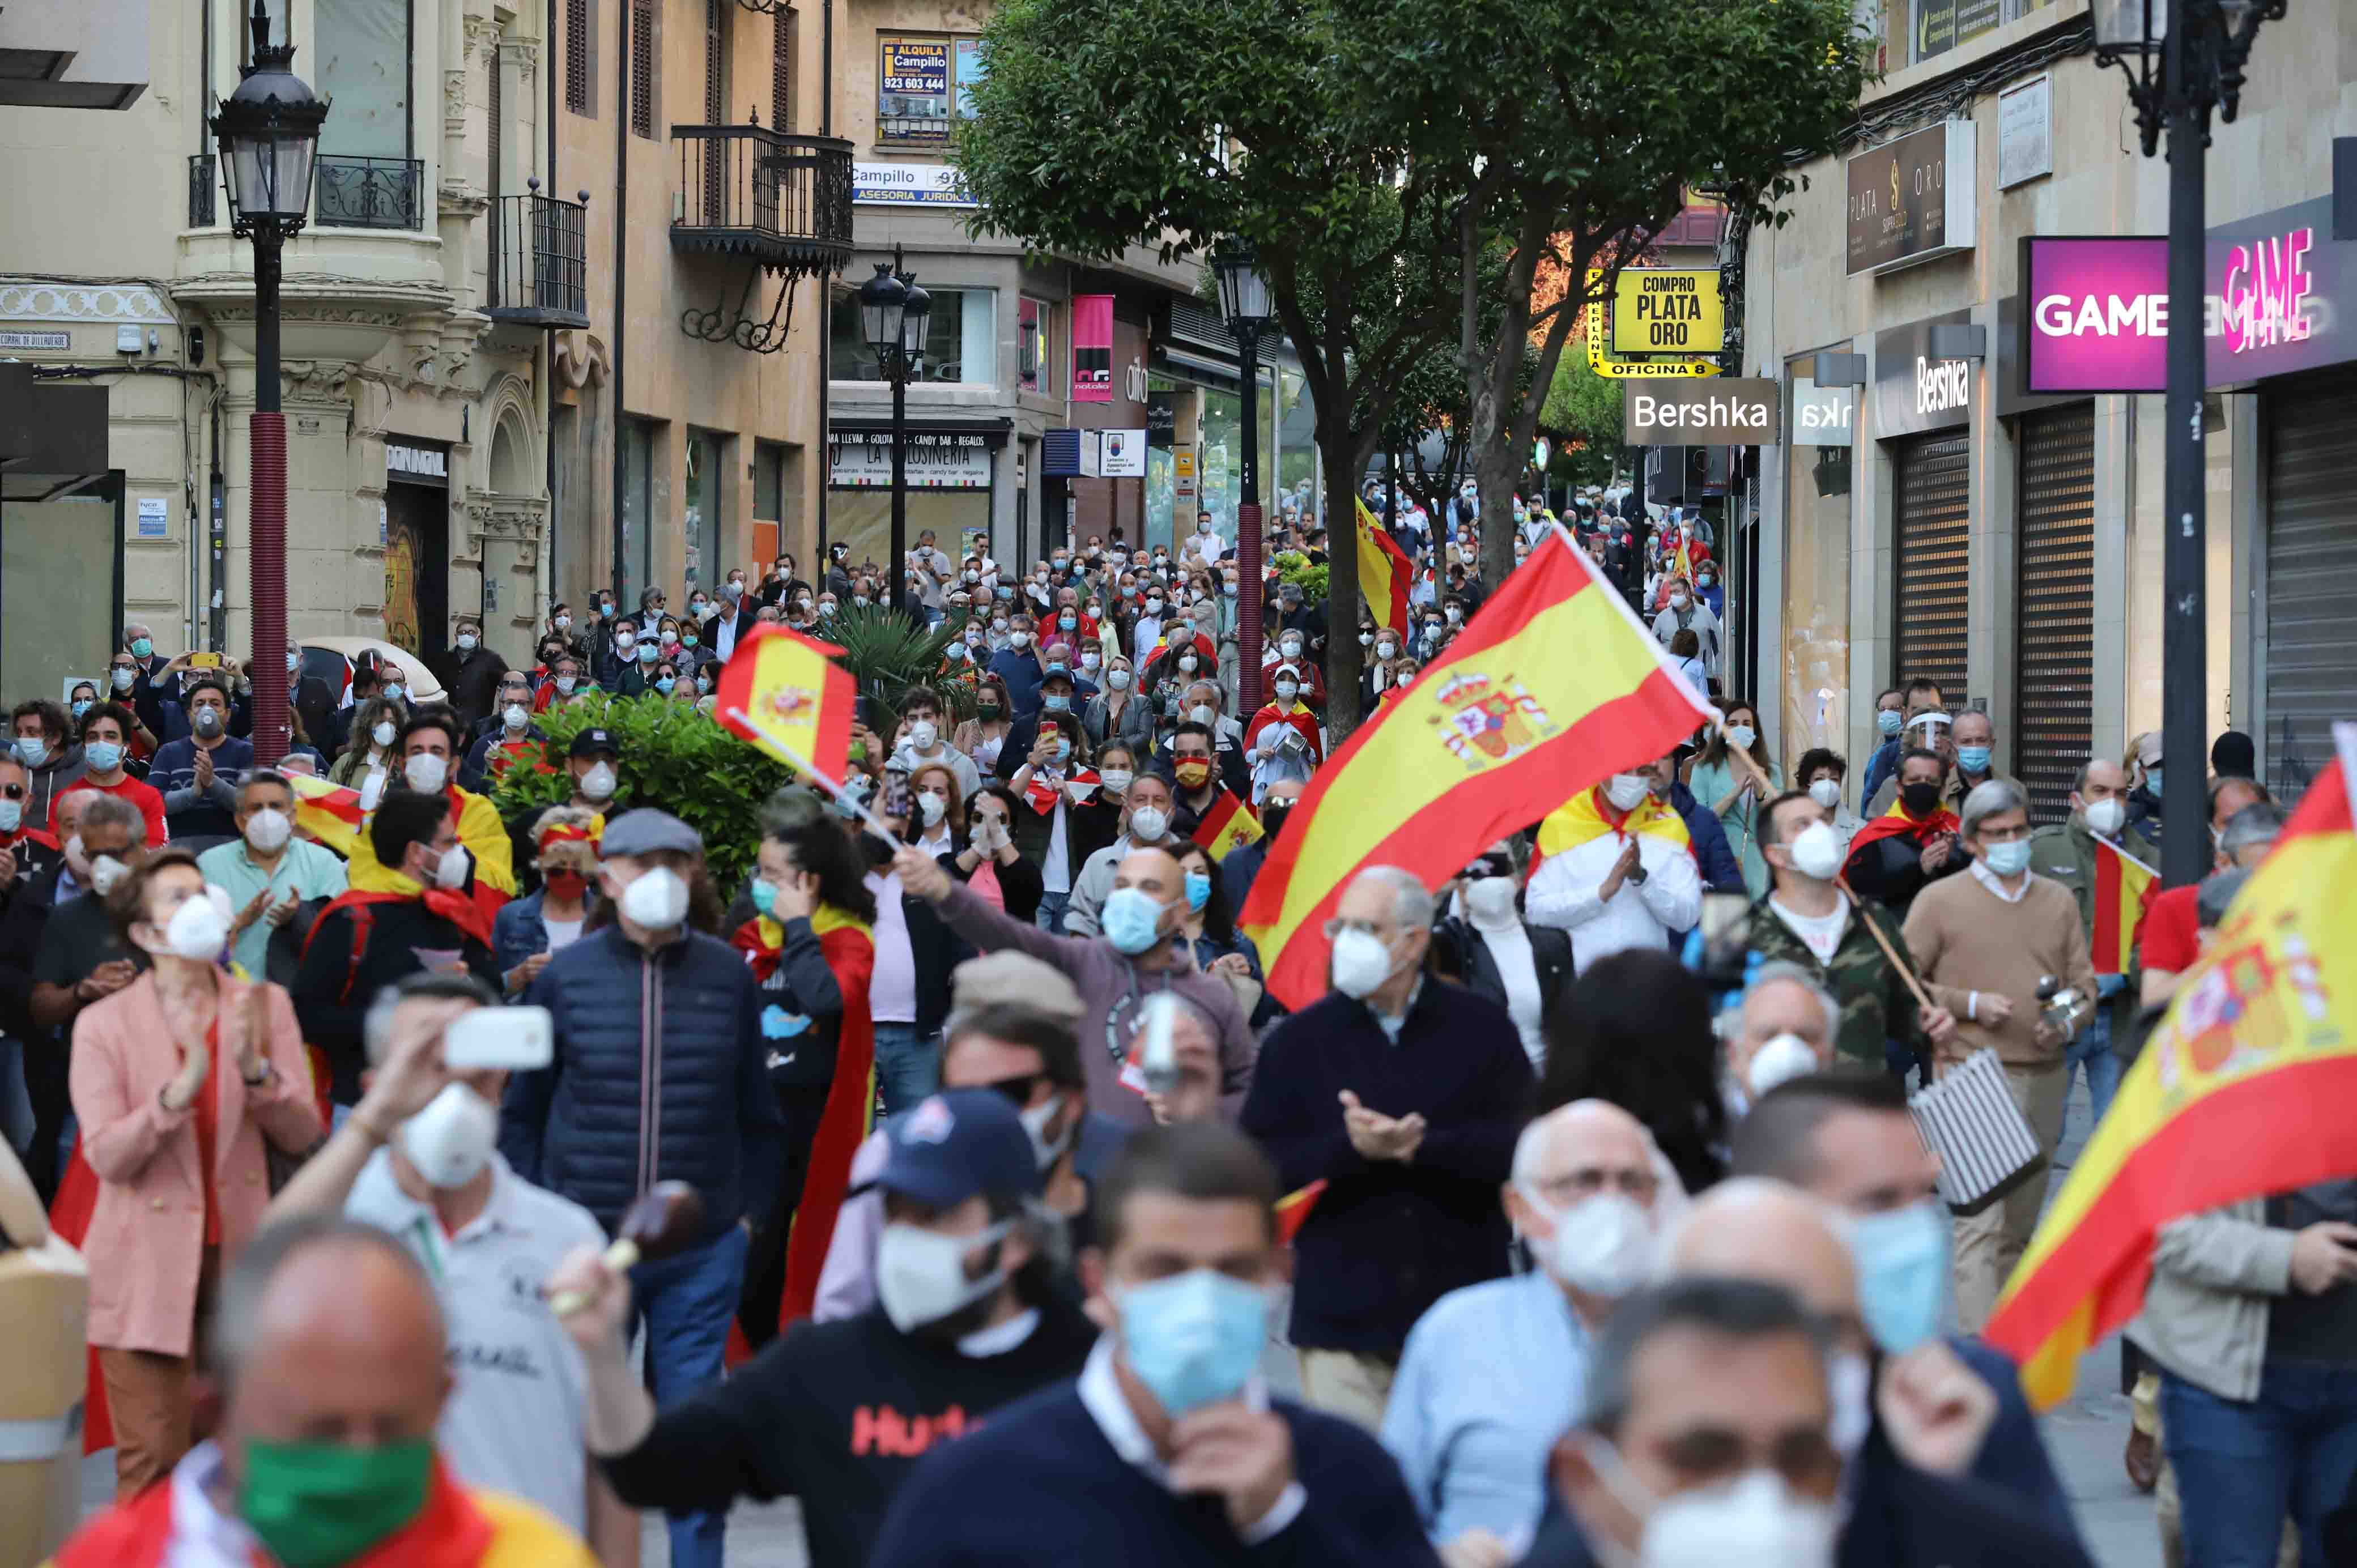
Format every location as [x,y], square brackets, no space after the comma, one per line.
[518,1039]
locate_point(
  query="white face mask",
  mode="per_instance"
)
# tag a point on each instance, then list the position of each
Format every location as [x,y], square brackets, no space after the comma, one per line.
[1287,690]
[197,930]
[1148,823]
[450,871]
[451,1140]
[598,784]
[1679,601]
[1816,852]
[922,733]
[932,807]
[1018,639]
[426,772]
[657,900]
[383,733]
[1117,679]
[1203,714]
[1849,1378]
[1603,1245]
[2106,817]
[104,873]
[516,716]
[1625,791]
[268,830]
[1362,964]
[1755,1520]
[1091,660]
[1783,1058]
[920,1276]
[1827,793]
[1490,901]
[1035,1123]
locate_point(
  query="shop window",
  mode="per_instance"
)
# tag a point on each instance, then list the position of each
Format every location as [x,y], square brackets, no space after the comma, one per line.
[1036,346]
[924,83]
[959,340]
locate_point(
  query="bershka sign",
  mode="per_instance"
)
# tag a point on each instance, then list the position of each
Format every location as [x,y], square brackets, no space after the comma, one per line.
[1659,411]
[1823,416]
[1942,386]
[1915,389]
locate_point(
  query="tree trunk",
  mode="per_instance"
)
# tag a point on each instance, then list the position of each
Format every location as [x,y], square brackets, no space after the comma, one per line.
[1340,453]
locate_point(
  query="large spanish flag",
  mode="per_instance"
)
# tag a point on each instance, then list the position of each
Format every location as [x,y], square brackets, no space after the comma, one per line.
[1553,686]
[784,692]
[2123,887]
[1228,823]
[2242,1090]
[1385,572]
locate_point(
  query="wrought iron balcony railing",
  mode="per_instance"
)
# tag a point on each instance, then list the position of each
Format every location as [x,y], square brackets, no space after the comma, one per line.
[932,130]
[204,190]
[780,201]
[539,263]
[367,193]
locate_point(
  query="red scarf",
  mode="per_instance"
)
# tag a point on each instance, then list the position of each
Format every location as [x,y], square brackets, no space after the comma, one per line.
[456,908]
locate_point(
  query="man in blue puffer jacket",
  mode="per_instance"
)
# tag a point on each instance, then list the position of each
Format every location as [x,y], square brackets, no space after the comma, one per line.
[658,1076]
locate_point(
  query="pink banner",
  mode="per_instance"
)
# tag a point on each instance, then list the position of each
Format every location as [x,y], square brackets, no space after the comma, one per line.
[1092,347]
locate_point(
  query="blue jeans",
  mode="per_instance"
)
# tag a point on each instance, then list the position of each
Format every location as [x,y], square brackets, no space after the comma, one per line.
[907,1065]
[2092,1054]
[1050,918]
[2242,1467]
[687,1302]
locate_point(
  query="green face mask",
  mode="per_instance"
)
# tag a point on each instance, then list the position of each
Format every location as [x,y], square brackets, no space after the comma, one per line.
[320,1505]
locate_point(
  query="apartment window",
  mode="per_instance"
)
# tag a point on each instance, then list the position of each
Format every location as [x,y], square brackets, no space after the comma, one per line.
[581,56]
[715,61]
[1034,349]
[640,449]
[959,340]
[781,71]
[923,83]
[644,43]
[363,47]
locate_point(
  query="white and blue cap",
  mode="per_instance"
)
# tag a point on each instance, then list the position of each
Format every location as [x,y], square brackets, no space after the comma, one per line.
[956,1144]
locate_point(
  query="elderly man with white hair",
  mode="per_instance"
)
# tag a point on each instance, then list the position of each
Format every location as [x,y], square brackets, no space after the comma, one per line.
[1404,1095]
[1493,1373]
[1784,1029]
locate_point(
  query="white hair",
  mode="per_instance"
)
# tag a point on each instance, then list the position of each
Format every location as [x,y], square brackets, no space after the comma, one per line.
[1786,972]
[1992,798]
[1412,904]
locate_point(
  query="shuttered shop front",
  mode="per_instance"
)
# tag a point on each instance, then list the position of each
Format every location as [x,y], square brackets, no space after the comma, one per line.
[2312,588]
[2054,607]
[1933,526]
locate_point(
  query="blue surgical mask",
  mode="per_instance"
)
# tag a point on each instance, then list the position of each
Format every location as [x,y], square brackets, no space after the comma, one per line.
[141,647]
[664,683]
[1902,1275]
[2007,859]
[1973,759]
[1198,889]
[103,755]
[1131,920]
[649,653]
[82,707]
[1056,705]
[31,748]
[12,815]
[2152,782]
[1193,1340]
[1888,720]
[764,895]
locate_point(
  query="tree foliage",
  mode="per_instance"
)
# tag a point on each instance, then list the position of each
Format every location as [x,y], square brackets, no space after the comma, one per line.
[1584,407]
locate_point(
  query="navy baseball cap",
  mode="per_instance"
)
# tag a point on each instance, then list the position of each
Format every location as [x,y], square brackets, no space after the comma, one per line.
[956,1144]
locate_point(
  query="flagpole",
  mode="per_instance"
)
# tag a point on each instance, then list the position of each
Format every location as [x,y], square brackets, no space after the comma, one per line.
[834,791]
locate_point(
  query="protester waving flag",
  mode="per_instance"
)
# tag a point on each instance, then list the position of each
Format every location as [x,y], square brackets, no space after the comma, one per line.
[1494,735]
[2123,885]
[2241,1090]
[1226,823]
[1385,572]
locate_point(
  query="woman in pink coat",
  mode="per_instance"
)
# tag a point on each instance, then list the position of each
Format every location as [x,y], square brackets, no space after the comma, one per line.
[177,1080]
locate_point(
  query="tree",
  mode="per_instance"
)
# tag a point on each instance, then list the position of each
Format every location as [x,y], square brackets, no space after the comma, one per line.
[1568,131]
[1584,407]
[1102,124]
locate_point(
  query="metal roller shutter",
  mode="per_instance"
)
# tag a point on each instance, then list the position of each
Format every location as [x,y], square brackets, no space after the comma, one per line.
[2054,609]
[2311,637]
[1930,628]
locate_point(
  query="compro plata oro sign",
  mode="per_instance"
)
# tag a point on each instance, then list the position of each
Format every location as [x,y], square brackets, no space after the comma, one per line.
[1664,310]
[1730,412]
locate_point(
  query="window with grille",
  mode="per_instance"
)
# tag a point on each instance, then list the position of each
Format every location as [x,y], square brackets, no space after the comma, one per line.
[2054,607]
[782,72]
[642,67]
[581,56]
[715,61]
[1929,631]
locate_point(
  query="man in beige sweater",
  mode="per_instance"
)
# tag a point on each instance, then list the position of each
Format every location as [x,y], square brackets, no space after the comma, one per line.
[1982,943]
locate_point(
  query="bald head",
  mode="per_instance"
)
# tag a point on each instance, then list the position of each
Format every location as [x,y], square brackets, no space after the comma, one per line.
[1584,1133]
[1755,1228]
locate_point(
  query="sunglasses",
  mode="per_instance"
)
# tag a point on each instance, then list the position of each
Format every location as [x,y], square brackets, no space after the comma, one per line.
[1019,1089]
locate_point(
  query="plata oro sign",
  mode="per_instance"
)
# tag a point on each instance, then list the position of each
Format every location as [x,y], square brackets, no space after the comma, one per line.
[1664,310]
[1734,412]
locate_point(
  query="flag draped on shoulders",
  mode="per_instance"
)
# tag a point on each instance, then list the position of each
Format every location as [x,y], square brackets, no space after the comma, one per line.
[1588,815]
[1897,821]
[849,945]
[2242,1090]
[1492,737]
[2123,885]
[1385,572]
[785,693]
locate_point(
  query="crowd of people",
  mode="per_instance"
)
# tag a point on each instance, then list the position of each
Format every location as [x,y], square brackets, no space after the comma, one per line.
[965,1181]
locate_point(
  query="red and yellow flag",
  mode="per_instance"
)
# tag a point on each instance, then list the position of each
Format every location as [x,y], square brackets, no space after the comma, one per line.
[2123,885]
[1228,823]
[328,813]
[1292,1209]
[2242,1090]
[784,692]
[1384,573]
[1589,816]
[1553,686]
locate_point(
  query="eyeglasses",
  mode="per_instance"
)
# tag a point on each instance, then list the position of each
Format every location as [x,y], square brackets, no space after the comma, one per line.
[1019,1089]
[1586,1182]
[1336,927]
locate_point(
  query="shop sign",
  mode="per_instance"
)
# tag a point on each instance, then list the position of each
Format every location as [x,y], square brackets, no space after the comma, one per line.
[1092,347]
[1823,416]
[1729,412]
[1904,210]
[418,465]
[916,68]
[908,185]
[936,460]
[2025,132]
[1665,310]
[1913,390]
[1113,453]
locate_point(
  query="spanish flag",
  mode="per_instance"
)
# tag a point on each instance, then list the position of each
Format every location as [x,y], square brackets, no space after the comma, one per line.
[1588,815]
[2123,884]
[1551,688]
[1384,573]
[2242,1090]
[328,813]
[1292,1209]
[784,692]
[1228,823]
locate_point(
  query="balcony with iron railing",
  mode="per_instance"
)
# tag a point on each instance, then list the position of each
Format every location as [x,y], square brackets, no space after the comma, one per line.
[350,192]
[539,271]
[782,201]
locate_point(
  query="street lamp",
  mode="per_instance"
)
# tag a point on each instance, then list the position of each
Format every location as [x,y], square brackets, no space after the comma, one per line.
[2183,59]
[892,312]
[267,131]
[1245,301]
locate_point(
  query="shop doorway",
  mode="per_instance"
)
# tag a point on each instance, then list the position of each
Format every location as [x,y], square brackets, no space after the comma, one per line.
[1929,624]
[417,568]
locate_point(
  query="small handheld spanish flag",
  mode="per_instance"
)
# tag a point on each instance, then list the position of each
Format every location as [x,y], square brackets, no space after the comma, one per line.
[329,813]
[1228,823]
[2123,885]
[1292,1209]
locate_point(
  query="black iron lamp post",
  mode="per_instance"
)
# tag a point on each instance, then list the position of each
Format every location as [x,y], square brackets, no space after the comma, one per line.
[892,312]
[1245,302]
[2183,59]
[267,131]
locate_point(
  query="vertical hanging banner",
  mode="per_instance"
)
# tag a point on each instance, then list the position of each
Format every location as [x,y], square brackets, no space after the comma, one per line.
[1092,347]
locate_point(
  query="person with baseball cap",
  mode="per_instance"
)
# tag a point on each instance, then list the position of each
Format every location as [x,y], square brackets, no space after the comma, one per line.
[590,760]
[839,1413]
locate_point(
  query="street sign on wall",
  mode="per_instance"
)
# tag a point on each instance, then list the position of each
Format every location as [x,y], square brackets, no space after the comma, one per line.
[1605,364]
[1904,209]
[1666,310]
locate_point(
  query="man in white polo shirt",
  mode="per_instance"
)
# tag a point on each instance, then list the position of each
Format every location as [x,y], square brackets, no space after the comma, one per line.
[417,1158]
